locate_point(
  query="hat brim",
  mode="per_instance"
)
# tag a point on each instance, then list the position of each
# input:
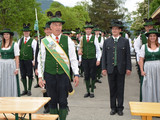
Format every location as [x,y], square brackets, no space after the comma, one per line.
[11,33]
[157,33]
[88,27]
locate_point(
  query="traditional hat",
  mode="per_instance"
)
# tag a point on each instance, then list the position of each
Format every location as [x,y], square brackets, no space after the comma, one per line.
[36,35]
[148,22]
[55,18]
[26,27]
[78,31]
[152,31]
[88,25]
[116,23]
[67,31]
[6,30]
[46,26]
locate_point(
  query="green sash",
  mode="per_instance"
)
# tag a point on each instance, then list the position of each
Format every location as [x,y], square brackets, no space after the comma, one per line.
[58,53]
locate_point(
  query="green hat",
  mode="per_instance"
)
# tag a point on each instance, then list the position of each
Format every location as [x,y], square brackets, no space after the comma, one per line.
[78,31]
[148,22]
[116,23]
[152,31]
[92,32]
[66,31]
[96,29]
[73,38]
[26,27]
[6,31]
[46,26]
[88,25]
[55,18]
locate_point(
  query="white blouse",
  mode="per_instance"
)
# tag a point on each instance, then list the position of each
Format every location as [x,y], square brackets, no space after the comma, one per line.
[16,49]
[142,51]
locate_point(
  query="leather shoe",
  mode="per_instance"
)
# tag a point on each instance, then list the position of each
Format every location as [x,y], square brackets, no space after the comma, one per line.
[113,112]
[86,95]
[120,113]
[46,110]
[24,93]
[36,86]
[29,93]
[98,81]
[91,95]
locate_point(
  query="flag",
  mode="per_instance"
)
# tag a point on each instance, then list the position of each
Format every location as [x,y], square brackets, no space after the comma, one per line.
[36,26]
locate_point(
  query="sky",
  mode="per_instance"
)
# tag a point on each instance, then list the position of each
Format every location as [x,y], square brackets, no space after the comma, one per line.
[130,4]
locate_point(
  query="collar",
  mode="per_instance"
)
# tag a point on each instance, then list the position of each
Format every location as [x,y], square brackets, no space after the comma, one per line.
[116,37]
[27,38]
[54,37]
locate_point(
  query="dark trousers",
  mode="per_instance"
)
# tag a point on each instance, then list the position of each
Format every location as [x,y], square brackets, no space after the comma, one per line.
[57,89]
[116,86]
[89,66]
[26,69]
[46,106]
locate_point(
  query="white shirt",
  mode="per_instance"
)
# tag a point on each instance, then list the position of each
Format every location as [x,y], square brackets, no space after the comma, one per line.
[71,53]
[34,44]
[16,49]
[96,43]
[142,51]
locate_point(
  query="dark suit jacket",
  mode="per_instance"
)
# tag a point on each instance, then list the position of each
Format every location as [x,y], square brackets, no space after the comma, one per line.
[123,55]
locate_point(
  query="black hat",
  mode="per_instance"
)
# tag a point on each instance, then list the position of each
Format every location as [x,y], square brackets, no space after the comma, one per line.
[88,25]
[116,23]
[26,27]
[6,30]
[148,22]
[55,18]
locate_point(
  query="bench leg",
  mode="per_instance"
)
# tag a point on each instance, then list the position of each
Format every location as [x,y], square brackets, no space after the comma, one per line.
[16,116]
[30,116]
[149,117]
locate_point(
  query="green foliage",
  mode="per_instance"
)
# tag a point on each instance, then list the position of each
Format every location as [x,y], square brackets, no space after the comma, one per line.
[153,6]
[103,11]
[13,13]
[74,16]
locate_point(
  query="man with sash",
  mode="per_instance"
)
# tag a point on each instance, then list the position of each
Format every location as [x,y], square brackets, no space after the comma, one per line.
[58,53]
[142,39]
[89,48]
[116,62]
[27,58]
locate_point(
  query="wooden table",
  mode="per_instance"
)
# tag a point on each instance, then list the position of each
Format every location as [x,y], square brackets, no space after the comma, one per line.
[145,109]
[22,105]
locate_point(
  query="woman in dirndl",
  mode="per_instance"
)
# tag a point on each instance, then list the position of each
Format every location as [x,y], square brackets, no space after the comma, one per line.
[150,68]
[9,65]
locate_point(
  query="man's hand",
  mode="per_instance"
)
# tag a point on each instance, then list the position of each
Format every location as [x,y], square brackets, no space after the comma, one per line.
[36,72]
[41,83]
[104,72]
[80,52]
[143,73]
[128,72]
[76,81]
[97,63]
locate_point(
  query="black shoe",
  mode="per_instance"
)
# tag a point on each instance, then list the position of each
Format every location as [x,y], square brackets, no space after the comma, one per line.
[36,86]
[29,93]
[113,112]
[46,110]
[91,95]
[86,95]
[24,93]
[98,81]
[120,113]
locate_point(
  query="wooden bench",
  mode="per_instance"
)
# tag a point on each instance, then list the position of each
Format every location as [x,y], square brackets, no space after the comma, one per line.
[34,117]
[146,110]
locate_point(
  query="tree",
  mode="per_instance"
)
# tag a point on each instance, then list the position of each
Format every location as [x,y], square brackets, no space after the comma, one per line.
[74,17]
[13,13]
[153,6]
[103,11]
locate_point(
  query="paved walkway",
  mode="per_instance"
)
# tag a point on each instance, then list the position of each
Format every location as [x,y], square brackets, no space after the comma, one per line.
[98,108]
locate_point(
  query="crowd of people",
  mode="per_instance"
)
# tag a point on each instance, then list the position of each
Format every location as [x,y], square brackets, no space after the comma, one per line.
[61,57]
